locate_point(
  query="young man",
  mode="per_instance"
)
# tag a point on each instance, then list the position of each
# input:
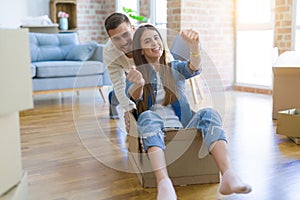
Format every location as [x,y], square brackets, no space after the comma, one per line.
[118,58]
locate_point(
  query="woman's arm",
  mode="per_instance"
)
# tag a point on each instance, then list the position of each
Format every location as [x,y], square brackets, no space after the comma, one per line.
[136,89]
[191,38]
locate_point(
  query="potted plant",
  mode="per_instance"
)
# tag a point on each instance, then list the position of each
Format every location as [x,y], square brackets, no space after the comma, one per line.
[133,15]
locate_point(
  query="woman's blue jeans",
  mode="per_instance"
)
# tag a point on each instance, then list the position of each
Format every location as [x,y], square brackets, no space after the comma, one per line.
[207,120]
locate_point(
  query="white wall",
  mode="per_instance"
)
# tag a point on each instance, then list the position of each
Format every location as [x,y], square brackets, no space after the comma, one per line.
[12,11]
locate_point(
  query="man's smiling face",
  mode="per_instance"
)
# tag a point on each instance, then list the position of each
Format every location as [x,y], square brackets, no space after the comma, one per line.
[122,37]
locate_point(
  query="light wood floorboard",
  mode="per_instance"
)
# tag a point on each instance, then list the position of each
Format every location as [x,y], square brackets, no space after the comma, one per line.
[72,150]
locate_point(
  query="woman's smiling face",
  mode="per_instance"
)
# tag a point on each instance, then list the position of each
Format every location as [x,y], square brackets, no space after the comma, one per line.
[151,44]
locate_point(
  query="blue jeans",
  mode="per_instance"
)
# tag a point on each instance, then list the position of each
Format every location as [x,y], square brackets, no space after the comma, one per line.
[207,120]
[113,103]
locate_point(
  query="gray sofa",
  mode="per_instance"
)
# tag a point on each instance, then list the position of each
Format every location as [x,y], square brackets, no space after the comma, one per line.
[59,62]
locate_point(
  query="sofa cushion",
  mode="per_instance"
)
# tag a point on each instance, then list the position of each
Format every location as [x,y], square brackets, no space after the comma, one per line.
[51,47]
[82,52]
[68,68]
[58,83]
[33,70]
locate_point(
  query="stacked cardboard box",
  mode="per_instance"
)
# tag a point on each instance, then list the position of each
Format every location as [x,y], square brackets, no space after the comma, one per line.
[10,152]
[18,191]
[16,95]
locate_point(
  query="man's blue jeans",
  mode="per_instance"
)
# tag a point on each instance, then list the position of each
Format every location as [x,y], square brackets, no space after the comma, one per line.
[113,103]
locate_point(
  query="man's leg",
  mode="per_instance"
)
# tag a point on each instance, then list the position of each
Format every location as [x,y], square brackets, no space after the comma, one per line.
[113,103]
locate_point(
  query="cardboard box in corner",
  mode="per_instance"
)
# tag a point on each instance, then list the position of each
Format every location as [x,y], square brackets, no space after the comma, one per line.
[288,123]
[286,71]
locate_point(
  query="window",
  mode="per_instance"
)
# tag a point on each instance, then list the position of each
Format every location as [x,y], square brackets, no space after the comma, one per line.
[159,13]
[254,43]
[133,4]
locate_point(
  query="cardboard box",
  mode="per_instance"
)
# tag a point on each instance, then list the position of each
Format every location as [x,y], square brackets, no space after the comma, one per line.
[183,164]
[286,71]
[15,75]
[288,123]
[19,191]
[10,152]
[16,95]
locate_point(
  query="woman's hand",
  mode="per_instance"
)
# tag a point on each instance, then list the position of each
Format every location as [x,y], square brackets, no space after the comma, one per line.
[135,77]
[191,38]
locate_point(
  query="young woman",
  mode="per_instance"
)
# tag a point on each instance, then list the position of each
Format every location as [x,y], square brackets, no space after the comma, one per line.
[158,90]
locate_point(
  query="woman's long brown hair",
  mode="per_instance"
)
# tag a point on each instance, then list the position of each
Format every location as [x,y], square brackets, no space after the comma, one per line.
[142,65]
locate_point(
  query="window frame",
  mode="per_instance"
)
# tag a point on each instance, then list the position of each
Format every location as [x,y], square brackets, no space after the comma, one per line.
[153,18]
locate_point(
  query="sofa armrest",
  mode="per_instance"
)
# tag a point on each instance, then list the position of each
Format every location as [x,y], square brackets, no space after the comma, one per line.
[98,54]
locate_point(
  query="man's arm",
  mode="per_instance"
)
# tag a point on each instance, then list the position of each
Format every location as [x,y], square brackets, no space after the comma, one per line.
[118,78]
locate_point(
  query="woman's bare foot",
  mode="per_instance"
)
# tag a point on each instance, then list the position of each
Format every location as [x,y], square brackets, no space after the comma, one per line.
[231,183]
[166,190]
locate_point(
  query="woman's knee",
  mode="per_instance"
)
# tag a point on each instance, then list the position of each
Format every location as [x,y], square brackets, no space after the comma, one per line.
[211,126]
[149,124]
[211,114]
[151,139]
[149,117]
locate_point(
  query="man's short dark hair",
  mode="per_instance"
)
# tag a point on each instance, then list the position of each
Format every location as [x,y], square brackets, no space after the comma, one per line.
[114,20]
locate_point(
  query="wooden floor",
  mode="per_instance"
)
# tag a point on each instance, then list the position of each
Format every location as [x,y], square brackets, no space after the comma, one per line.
[72,150]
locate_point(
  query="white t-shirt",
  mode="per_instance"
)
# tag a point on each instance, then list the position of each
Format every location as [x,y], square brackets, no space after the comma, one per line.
[167,113]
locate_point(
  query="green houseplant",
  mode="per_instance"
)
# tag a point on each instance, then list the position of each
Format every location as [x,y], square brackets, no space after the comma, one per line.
[133,14]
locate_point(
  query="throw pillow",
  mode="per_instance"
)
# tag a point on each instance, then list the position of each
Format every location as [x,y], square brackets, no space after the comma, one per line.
[82,52]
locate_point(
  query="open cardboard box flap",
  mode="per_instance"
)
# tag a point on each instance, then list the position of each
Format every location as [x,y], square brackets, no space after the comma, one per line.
[288,122]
